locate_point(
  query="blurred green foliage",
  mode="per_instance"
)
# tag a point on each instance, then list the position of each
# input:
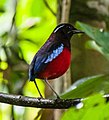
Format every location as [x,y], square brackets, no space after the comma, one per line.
[88,86]
[24,27]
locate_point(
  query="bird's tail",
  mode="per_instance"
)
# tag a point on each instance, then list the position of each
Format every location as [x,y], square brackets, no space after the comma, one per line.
[31,76]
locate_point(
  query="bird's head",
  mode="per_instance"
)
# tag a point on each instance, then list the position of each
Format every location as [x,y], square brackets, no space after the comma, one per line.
[66,30]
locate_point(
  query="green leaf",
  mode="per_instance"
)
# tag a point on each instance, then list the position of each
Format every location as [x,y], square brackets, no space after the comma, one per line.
[87,86]
[100,37]
[90,44]
[94,108]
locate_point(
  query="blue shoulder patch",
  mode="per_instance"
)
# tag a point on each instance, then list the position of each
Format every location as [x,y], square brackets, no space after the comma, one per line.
[55,53]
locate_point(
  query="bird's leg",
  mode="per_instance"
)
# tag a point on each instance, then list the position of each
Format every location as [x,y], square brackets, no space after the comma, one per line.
[46,81]
[38,89]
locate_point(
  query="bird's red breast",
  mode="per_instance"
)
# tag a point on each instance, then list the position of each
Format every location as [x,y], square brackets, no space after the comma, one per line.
[57,66]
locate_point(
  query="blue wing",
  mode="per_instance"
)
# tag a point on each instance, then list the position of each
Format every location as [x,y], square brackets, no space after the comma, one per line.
[54,53]
[41,59]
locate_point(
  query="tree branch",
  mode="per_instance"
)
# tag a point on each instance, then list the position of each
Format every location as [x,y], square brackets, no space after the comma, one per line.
[41,102]
[38,102]
[66,4]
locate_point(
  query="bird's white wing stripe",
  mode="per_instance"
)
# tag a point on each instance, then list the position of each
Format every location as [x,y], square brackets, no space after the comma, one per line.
[55,53]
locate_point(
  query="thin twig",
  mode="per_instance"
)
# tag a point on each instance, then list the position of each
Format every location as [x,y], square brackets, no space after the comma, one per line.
[47,5]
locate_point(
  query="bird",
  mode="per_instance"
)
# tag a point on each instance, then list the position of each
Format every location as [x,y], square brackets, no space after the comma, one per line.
[54,57]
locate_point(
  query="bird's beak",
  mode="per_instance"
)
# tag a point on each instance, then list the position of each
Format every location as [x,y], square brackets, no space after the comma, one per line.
[75,31]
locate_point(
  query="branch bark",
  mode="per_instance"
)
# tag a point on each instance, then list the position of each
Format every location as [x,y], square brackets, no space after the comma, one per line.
[66,4]
[25,101]
[38,102]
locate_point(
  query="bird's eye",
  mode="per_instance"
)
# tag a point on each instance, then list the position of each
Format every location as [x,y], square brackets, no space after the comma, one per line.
[69,27]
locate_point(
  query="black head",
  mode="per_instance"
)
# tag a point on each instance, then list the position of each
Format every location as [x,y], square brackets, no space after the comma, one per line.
[66,30]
